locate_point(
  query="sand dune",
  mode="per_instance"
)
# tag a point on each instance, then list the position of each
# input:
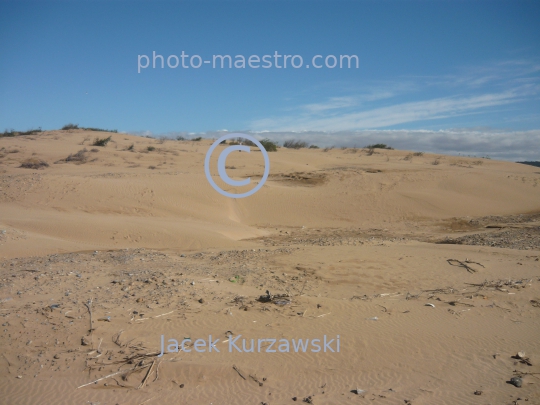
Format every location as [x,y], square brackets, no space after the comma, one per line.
[347,244]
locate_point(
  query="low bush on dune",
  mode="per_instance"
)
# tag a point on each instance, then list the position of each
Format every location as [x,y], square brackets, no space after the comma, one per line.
[76,126]
[197,139]
[409,157]
[269,145]
[295,144]
[34,163]
[101,141]
[12,132]
[100,130]
[78,158]
[313,147]
[150,148]
[379,146]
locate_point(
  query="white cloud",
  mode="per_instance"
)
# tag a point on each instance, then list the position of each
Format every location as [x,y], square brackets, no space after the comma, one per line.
[472,90]
[387,116]
[498,144]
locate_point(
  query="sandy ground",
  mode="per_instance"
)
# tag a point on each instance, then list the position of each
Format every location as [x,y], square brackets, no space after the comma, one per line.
[426,267]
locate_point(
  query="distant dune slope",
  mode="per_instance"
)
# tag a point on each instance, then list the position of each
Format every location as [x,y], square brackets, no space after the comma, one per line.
[155,194]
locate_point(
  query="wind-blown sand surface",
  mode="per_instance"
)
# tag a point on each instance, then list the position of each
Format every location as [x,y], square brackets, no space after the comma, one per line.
[346,243]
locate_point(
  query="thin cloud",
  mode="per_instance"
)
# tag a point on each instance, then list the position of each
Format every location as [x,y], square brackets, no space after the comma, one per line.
[388,116]
[480,142]
[472,90]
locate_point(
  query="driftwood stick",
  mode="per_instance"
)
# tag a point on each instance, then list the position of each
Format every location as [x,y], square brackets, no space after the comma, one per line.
[143,383]
[116,338]
[455,262]
[304,286]
[8,362]
[113,374]
[157,316]
[157,370]
[89,306]
[238,371]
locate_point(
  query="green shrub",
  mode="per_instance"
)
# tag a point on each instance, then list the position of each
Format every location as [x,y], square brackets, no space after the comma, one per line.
[197,139]
[269,145]
[131,147]
[70,126]
[12,132]
[378,146]
[80,156]
[313,147]
[150,149]
[292,144]
[100,130]
[101,141]
[180,138]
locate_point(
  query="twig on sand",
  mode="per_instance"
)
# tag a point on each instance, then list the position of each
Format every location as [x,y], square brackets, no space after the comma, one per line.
[324,314]
[304,286]
[120,385]
[238,371]
[8,362]
[464,264]
[116,338]
[89,306]
[157,316]
[146,400]
[157,371]
[113,374]
[526,373]
[143,383]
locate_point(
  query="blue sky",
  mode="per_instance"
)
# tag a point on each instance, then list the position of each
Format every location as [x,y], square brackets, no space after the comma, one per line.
[471,67]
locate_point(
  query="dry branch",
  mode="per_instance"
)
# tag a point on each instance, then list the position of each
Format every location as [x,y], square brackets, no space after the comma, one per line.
[113,374]
[89,306]
[143,383]
[464,264]
[238,371]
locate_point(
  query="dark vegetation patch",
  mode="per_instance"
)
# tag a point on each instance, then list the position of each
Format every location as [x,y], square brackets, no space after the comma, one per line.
[295,144]
[537,164]
[78,158]
[12,132]
[378,146]
[101,141]
[34,163]
[301,178]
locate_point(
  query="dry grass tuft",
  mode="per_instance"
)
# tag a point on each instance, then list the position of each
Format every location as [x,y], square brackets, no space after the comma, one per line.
[34,163]
[78,158]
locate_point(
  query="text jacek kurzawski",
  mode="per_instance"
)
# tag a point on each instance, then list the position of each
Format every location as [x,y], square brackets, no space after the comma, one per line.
[237,344]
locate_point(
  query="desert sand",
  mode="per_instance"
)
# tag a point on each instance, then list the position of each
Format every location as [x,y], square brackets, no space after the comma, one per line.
[426,267]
